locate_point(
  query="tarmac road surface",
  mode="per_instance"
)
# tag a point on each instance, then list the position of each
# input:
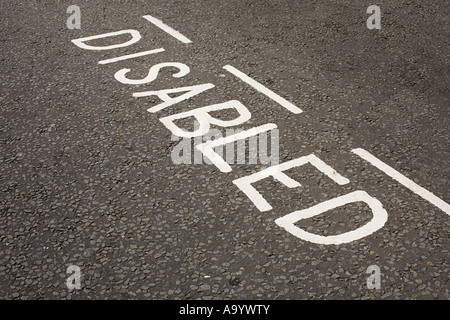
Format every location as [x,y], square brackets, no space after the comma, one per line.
[100,197]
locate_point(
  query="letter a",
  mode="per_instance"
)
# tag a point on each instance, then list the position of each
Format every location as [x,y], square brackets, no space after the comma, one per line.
[205,119]
[74,281]
[169,101]
[181,153]
[374,21]
[374,281]
[74,21]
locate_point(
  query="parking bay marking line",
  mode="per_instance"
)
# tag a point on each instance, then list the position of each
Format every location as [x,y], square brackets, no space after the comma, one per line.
[258,86]
[174,33]
[131,56]
[408,183]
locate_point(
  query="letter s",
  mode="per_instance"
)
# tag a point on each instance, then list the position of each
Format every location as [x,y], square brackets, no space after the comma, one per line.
[153,73]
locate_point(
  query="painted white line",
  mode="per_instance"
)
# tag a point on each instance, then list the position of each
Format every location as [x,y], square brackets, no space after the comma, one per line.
[258,86]
[174,33]
[131,56]
[408,183]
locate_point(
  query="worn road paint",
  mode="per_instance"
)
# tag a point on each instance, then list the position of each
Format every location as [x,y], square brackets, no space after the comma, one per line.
[379,218]
[174,33]
[258,86]
[408,183]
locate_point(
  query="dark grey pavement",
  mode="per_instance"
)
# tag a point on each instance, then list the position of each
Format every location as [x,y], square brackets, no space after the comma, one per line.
[87,178]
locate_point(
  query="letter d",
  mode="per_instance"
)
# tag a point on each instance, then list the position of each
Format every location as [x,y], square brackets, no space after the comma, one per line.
[135,37]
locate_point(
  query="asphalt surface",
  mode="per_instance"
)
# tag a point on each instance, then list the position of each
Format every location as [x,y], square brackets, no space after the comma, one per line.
[87,178]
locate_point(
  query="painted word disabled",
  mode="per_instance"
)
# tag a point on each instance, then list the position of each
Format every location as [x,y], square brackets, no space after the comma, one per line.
[209,148]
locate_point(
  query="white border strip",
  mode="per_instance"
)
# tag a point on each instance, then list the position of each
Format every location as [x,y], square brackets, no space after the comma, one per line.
[131,56]
[174,33]
[258,86]
[408,183]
